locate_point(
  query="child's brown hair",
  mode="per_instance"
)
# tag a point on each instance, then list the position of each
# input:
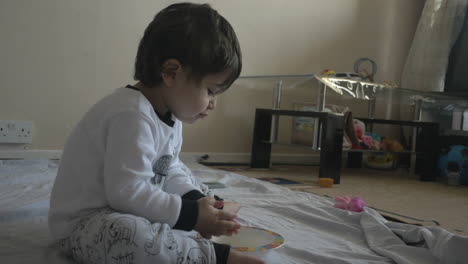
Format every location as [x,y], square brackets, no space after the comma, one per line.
[197,36]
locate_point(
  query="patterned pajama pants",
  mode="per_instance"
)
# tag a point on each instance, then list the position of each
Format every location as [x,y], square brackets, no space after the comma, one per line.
[109,237]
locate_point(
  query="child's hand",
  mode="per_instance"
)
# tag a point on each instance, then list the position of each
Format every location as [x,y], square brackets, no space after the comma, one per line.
[212,221]
[237,257]
[231,207]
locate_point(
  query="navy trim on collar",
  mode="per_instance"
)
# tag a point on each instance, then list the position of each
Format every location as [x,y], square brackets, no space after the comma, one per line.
[167,118]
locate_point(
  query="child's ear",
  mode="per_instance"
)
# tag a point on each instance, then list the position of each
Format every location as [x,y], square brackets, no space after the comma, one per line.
[169,71]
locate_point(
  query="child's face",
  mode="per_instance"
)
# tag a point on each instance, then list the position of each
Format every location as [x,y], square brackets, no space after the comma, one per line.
[189,100]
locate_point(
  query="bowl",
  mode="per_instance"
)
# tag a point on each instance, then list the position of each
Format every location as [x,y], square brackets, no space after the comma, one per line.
[252,240]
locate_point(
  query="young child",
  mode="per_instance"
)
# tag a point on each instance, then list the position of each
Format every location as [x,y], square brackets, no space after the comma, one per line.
[121,194]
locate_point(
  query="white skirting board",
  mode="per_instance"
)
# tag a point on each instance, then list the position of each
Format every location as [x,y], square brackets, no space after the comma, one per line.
[244,158]
[208,157]
[30,154]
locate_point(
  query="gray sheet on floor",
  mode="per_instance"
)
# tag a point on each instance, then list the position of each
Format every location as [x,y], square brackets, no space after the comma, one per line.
[314,231]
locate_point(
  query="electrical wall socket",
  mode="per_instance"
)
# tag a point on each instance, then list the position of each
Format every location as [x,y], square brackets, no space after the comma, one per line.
[15,131]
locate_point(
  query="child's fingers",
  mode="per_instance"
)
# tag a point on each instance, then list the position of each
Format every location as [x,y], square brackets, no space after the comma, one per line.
[232,207]
[223,215]
[219,204]
[232,232]
[236,230]
[227,226]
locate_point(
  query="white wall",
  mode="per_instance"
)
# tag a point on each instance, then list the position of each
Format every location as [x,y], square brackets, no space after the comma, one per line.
[58,57]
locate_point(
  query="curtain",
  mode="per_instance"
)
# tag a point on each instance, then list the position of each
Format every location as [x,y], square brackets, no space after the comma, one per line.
[456,79]
[436,33]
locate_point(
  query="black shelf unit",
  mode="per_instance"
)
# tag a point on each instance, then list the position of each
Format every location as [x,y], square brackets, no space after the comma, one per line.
[331,139]
[427,146]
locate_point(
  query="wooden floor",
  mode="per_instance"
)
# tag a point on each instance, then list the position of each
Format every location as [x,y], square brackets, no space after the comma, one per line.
[396,194]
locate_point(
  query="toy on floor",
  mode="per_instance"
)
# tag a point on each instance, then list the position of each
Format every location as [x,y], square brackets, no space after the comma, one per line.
[355,204]
[326,182]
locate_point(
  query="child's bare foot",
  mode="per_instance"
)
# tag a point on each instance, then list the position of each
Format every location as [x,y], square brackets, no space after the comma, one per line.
[238,258]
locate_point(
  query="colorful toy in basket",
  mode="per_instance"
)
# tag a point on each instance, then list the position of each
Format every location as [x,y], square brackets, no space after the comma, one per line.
[382,160]
[388,158]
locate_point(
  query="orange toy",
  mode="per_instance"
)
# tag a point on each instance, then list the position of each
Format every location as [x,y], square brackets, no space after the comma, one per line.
[326,182]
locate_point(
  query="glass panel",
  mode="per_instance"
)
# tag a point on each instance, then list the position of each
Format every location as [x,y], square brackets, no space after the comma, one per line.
[296,90]
[270,81]
[400,103]
[366,91]
[384,101]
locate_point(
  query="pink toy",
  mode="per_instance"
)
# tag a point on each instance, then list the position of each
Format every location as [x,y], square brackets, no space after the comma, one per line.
[359,128]
[355,204]
[368,140]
